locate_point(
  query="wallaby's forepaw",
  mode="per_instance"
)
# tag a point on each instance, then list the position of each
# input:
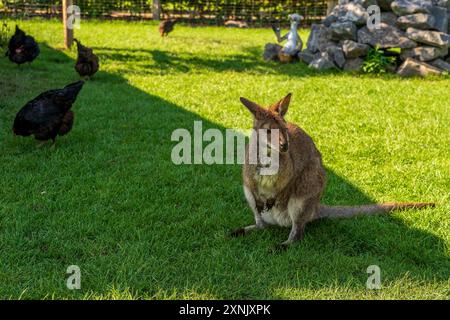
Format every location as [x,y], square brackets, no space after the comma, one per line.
[238,233]
[279,248]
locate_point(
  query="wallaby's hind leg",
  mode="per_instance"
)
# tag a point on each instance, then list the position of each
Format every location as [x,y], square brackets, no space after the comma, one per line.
[296,234]
[301,213]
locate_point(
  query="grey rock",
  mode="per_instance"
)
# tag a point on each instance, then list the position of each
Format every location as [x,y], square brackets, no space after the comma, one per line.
[417,20]
[351,12]
[337,55]
[448,19]
[405,7]
[423,3]
[354,64]
[434,38]
[306,56]
[413,67]
[339,58]
[329,20]
[440,18]
[442,3]
[385,4]
[441,64]
[366,3]
[318,38]
[343,31]
[324,46]
[271,51]
[424,53]
[385,37]
[323,62]
[389,18]
[354,49]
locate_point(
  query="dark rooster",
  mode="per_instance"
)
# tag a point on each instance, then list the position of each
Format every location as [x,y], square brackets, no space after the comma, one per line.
[166,26]
[22,48]
[49,114]
[87,62]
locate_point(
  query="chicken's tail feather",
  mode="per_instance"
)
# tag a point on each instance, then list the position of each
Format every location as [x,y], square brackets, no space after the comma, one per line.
[350,211]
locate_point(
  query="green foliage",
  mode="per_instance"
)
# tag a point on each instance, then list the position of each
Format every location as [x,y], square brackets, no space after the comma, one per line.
[376,62]
[394,50]
[4,35]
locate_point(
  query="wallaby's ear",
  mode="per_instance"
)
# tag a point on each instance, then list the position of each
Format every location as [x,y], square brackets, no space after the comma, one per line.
[257,111]
[281,107]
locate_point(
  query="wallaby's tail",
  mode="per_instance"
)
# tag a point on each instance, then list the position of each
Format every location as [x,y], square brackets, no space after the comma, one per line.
[350,211]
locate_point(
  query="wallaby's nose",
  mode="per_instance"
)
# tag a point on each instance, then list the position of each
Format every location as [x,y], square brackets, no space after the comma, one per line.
[284,147]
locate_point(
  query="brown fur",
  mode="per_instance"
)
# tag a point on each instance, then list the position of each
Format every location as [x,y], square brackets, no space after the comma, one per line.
[291,198]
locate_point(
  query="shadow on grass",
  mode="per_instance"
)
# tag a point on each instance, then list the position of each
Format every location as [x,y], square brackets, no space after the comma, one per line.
[169,62]
[165,62]
[111,201]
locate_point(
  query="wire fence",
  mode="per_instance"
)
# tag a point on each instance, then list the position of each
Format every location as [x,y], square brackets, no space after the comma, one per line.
[255,13]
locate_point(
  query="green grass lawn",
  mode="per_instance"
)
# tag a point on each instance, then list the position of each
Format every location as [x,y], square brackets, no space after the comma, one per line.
[109,199]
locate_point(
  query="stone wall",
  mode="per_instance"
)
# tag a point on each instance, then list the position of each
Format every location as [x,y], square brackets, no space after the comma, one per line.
[420,28]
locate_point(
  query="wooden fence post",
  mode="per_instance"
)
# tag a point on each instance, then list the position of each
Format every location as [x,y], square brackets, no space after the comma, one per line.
[156,9]
[68,31]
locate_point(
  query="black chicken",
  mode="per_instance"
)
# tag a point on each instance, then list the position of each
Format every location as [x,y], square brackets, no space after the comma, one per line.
[87,62]
[166,26]
[49,114]
[22,48]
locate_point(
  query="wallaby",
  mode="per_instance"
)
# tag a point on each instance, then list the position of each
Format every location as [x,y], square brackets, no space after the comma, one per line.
[291,197]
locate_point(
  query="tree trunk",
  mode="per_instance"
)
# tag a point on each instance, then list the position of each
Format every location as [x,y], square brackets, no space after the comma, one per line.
[156,9]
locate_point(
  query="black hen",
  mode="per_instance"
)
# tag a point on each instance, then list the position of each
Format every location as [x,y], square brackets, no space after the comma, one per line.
[49,114]
[166,26]
[22,48]
[87,62]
